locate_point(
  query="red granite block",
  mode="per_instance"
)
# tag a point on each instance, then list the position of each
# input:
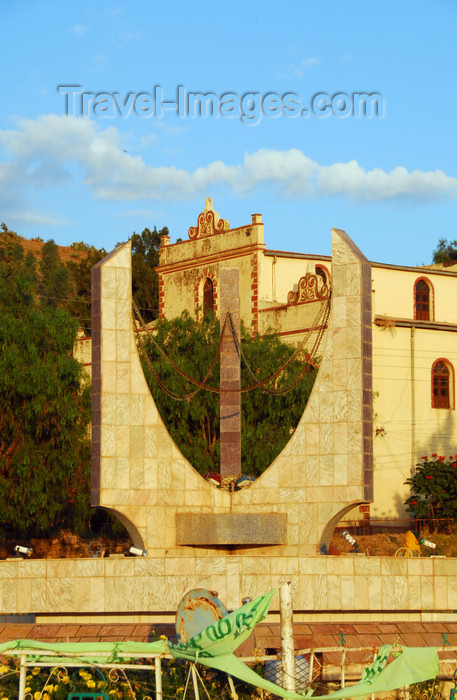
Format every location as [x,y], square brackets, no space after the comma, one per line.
[366,628]
[387,627]
[411,627]
[118,629]
[304,641]
[433,639]
[370,640]
[16,631]
[347,628]
[90,630]
[45,630]
[325,628]
[350,640]
[389,638]
[324,640]
[437,627]
[143,630]
[69,631]
[412,640]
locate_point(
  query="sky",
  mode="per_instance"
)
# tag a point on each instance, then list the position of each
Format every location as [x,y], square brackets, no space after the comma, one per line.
[95,144]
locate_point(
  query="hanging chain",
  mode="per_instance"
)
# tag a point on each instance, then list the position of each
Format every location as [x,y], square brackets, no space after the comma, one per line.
[319,324]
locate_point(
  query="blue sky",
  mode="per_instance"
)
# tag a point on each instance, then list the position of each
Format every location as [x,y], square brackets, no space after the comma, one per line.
[390,181]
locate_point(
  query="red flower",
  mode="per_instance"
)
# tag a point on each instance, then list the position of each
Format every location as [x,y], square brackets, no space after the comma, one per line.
[413,503]
[441,459]
[454,465]
[429,477]
[425,458]
[434,454]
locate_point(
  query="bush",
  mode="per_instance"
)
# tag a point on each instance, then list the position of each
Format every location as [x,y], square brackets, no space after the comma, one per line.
[434,488]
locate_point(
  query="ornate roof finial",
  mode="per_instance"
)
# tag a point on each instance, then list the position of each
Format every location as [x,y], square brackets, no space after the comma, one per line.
[209,222]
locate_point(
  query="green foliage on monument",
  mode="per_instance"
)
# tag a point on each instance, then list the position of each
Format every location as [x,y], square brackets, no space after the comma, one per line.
[434,488]
[445,252]
[267,420]
[44,400]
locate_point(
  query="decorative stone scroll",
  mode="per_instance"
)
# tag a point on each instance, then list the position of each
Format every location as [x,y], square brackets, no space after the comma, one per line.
[209,222]
[308,290]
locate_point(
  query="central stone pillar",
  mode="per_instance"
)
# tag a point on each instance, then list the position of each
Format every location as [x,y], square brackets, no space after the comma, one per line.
[230,375]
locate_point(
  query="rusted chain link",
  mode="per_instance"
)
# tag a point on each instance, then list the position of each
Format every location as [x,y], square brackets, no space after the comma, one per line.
[319,325]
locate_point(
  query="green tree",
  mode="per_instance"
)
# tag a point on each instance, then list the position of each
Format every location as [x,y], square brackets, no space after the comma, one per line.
[55,287]
[434,488]
[145,282]
[79,268]
[267,420]
[445,252]
[44,405]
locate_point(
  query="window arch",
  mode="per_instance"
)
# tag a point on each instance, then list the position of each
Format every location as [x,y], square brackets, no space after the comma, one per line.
[208,297]
[442,384]
[423,300]
[323,273]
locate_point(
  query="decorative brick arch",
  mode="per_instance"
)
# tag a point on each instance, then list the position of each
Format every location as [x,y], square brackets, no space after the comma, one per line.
[451,387]
[198,293]
[431,302]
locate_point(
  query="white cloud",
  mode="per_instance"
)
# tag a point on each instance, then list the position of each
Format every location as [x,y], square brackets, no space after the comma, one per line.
[52,150]
[79,29]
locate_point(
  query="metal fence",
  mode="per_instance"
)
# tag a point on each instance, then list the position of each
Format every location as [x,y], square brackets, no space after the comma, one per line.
[321,670]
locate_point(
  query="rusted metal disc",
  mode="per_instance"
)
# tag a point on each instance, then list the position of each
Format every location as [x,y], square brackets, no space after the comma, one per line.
[198,609]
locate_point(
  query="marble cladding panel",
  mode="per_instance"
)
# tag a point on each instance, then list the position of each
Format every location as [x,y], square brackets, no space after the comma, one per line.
[108,284]
[120,380]
[108,472]
[123,441]
[339,317]
[124,286]
[322,583]
[109,315]
[108,440]
[122,346]
[340,476]
[108,346]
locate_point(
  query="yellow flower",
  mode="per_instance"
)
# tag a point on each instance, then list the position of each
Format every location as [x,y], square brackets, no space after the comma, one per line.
[111,692]
[36,671]
[37,695]
[4,669]
[27,690]
[90,684]
[46,696]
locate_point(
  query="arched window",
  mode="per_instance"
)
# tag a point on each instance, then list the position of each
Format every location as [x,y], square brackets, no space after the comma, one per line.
[323,273]
[208,297]
[422,299]
[442,385]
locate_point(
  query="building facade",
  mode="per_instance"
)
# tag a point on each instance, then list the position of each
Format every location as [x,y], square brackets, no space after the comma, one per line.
[414,325]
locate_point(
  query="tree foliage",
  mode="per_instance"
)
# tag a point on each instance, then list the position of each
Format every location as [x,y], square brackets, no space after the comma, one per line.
[267,420]
[445,252]
[434,488]
[79,269]
[145,282]
[44,402]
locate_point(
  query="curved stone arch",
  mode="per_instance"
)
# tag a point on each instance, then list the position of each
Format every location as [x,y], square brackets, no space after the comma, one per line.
[327,532]
[139,472]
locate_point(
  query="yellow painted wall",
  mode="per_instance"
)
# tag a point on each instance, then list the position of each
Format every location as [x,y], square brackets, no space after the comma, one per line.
[402,382]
